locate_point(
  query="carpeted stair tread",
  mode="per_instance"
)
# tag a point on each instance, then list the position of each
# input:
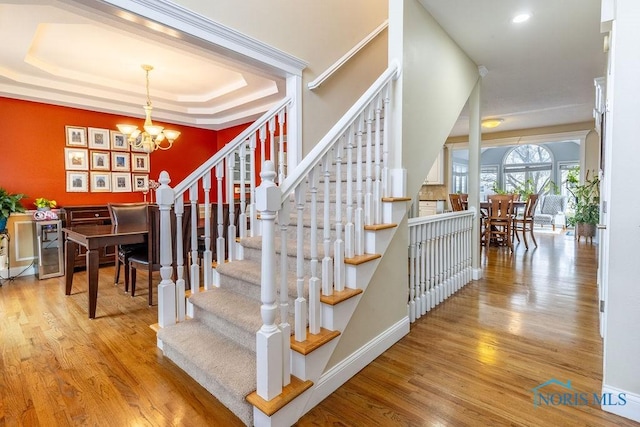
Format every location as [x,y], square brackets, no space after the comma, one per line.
[250,272]
[241,311]
[292,250]
[226,369]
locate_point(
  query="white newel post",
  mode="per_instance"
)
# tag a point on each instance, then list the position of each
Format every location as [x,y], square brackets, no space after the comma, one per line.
[269,338]
[166,289]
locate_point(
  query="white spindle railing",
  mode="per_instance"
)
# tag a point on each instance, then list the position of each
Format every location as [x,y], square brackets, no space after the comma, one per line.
[215,188]
[439,259]
[308,188]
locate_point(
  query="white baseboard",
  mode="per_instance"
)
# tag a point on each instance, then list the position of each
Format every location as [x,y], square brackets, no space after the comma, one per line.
[15,271]
[476,273]
[630,410]
[343,371]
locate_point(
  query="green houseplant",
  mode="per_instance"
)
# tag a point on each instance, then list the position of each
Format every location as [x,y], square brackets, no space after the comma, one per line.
[44,204]
[9,203]
[587,206]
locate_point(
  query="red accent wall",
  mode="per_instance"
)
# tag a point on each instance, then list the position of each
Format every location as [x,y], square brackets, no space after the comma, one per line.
[33,141]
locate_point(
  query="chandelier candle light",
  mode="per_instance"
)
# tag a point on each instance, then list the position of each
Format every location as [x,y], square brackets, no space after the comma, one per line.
[153,136]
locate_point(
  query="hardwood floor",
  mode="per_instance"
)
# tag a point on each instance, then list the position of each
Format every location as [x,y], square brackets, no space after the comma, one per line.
[471,361]
[474,360]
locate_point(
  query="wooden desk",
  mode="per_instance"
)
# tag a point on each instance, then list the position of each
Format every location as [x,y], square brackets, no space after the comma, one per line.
[93,238]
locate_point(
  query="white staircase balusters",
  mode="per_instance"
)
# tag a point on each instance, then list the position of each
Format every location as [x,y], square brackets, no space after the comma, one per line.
[242,220]
[194,274]
[253,214]
[300,303]
[349,231]
[269,338]
[314,282]
[377,182]
[231,227]
[282,173]
[359,213]
[178,208]
[272,139]
[262,136]
[285,327]
[327,261]
[368,197]
[207,255]
[414,260]
[201,197]
[386,188]
[338,249]
[220,216]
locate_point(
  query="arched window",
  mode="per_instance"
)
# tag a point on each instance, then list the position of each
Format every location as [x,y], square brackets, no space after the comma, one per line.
[528,167]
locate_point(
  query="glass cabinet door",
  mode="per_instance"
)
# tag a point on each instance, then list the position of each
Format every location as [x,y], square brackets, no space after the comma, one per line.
[50,249]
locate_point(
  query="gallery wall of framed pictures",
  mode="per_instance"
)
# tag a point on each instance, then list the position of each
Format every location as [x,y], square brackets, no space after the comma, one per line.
[101,160]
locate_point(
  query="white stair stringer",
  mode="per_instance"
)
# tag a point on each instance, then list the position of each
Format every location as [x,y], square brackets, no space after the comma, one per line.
[336,317]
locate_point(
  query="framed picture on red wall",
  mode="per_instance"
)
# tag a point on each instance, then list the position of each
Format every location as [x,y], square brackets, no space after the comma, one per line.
[76,159]
[100,182]
[120,161]
[119,141]
[77,182]
[120,182]
[139,162]
[99,138]
[100,160]
[76,136]
[140,182]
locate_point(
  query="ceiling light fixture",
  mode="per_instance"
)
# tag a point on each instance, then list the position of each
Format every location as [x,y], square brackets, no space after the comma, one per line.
[491,123]
[521,18]
[153,136]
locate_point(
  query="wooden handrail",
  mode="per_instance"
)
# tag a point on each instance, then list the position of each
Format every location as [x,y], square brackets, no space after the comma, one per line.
[340,62]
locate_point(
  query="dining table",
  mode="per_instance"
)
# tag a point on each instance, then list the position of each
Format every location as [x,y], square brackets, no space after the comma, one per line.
[92,238]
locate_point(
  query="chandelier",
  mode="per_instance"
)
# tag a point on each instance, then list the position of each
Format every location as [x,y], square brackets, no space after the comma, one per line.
[152,137]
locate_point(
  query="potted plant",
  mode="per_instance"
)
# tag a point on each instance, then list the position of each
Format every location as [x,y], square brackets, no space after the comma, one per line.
[586,207]
[44,204]
[9,203]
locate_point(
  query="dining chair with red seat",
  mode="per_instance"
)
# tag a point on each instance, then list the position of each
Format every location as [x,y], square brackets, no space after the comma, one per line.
[524,222]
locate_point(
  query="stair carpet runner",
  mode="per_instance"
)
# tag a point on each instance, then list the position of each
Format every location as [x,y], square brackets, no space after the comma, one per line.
[218,346]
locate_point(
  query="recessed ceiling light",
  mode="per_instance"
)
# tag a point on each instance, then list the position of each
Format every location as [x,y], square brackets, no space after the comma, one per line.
[491,123]
[521,18]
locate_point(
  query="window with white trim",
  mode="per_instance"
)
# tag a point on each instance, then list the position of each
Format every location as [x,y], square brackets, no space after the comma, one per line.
[528,167]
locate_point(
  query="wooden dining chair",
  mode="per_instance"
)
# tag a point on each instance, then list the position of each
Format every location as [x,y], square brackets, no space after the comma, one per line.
[127,214]
[456,202]
[499,221]
[149,260]
[524,222]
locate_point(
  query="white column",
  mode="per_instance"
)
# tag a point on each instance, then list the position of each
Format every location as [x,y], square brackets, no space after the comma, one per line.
[475,139]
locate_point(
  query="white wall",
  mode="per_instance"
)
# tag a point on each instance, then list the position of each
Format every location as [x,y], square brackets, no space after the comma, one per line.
[622,300]
[318,32]
[437,79]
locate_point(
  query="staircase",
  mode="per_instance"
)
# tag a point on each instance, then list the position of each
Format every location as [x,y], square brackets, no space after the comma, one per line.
[261,331]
